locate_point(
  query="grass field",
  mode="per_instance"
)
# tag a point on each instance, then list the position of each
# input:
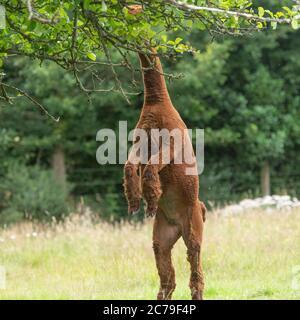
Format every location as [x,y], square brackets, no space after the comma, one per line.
[249,256]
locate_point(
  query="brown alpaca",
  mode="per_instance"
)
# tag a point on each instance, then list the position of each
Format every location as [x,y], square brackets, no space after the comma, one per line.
[170,194]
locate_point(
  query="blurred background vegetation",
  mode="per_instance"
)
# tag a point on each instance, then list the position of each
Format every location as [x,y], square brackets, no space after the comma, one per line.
[243,91]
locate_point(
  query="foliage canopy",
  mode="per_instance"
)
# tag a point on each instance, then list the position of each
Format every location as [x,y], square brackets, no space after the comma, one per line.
[80,35]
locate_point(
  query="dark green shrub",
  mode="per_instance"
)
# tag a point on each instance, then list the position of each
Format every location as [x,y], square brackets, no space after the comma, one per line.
[30,193]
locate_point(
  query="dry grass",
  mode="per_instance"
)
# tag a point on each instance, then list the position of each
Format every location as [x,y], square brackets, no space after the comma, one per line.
[250,256]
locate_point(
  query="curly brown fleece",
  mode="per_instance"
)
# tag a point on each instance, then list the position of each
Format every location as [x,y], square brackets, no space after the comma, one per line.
[170,195]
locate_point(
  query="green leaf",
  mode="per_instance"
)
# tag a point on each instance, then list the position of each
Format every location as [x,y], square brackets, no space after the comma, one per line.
[178,40]
[288,10]
[92,56]
[189,23]
[279,14]
[259,25]
[86,4]
[261,11]
[104,6]
[270,13]
[32,25]
[164,38]
[125,11]
[294,24]
[274,25]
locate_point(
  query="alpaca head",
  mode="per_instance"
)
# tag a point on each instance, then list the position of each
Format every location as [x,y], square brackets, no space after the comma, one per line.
[135,9]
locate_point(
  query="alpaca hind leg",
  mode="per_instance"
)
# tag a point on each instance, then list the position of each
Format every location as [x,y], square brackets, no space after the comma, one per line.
[165,236]
[192,232]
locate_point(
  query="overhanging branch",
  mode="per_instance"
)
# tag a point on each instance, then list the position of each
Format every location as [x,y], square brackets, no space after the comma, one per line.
[34,15]
[189,7]
[4,95]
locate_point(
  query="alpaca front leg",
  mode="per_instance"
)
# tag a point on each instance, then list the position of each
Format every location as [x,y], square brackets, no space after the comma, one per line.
[132,187]
[132,180]
[151,189]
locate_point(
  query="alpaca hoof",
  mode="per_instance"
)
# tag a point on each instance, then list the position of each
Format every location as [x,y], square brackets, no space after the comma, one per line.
[197,295]
[151,212]
[134,209]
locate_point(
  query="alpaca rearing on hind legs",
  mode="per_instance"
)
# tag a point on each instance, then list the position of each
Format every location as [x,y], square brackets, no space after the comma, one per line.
[170,194]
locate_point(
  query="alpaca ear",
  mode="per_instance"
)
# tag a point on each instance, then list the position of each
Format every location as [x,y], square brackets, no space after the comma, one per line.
[135,9]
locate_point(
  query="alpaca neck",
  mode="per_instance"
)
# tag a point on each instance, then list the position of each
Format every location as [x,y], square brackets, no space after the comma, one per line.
[155,89]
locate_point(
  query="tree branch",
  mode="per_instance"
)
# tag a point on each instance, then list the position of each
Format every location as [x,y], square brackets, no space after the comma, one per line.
[25,94]
[189,7]
[34,15]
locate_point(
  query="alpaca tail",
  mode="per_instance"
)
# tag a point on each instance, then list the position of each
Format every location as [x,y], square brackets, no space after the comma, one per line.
[203,210]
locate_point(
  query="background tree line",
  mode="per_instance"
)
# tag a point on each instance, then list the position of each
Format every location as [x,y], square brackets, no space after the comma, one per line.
[243,91]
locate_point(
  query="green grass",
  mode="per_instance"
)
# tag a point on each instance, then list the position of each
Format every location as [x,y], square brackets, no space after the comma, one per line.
[248,256]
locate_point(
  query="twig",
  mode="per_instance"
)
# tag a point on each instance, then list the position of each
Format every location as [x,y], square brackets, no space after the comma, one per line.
[25,94]
[248,16]
[33,15]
